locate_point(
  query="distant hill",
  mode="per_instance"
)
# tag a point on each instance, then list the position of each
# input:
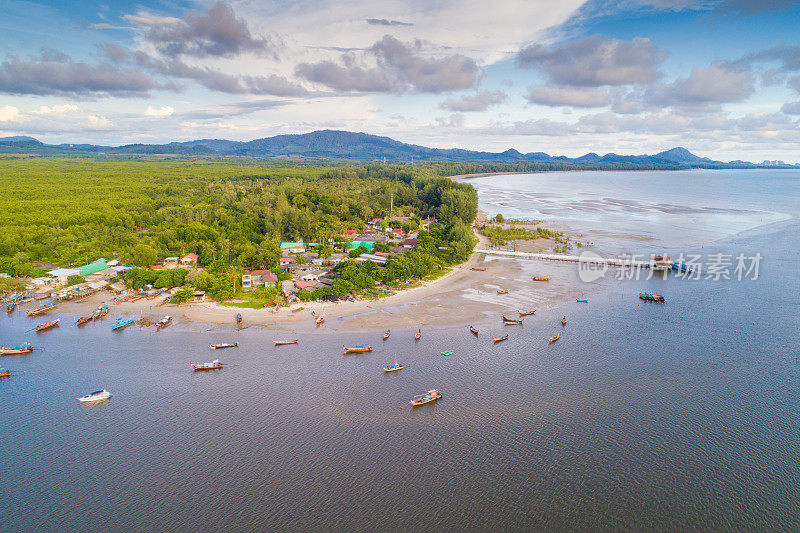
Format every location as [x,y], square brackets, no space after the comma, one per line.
[351,146]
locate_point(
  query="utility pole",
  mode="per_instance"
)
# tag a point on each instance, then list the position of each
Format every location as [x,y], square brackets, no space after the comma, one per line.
[391,203]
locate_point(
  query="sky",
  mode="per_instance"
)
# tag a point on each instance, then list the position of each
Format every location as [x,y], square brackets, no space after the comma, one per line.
[718,77]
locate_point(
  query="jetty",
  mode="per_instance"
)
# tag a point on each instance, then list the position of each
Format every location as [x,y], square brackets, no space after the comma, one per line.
[611,261]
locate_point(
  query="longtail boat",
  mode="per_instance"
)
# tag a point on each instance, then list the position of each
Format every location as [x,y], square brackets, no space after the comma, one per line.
[502,291]
[445,354]
[582,301]
[528,312]
[386,335]
[5,374]
[17,350]
[41,296]
[214,365]
[564,321]
[479,269]
[541,279]
[26,300]
[652,297]
[511,322]
[47,325]
[46,308]
[393,368]
[418,335]
[121,323]
[362,348]
[320,320]
[238,318]
[473,330]
[284,343]
[500,339]
[10,307]
[164,322]
[554,339]
[224,345]
[84,319]
[100,312]
[422,399]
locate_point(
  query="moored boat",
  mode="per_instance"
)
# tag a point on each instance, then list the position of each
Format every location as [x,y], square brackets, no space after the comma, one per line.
[5,373]
[503,291]
[541,279]
[100,312]
[16,350]
[554,339]
[164,322]
[393,368]
[564,321]
[41,310]
[422,399]
[83,320]
[473,330]
[47,325]
[652,297]
[121,323]
[95,396]
[238,318]
[362,348]
[500,339]
[224,345]
[479,269]
[386,335]
[582,301]
[446,354]
[283,343]
[528,312]
[213,365]
[10,307]
[418,335]
[320,320]
[511,321]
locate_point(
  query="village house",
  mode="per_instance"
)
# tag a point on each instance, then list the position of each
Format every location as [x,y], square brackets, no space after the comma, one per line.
[189,260]
[257,278]
[351,233]
[409,243]
[380,260]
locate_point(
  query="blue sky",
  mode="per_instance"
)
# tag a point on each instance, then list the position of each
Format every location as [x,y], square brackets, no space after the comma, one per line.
[719,77]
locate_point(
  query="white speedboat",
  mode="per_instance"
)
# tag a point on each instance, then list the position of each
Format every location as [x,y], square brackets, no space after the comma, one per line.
[96,396]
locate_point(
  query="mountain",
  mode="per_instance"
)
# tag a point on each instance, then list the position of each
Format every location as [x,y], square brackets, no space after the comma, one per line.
[351,146]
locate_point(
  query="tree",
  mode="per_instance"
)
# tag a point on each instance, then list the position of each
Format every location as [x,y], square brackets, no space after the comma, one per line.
[74,279]
[144,255]
[183,295]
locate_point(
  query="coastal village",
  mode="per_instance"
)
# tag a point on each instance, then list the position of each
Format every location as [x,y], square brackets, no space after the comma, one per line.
[300,267]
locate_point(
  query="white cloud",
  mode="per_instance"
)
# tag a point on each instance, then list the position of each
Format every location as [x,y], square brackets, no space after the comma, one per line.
[62,109]
[9,113]
[163,111]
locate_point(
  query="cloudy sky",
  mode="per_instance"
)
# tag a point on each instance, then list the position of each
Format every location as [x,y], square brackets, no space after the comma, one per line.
[719,77]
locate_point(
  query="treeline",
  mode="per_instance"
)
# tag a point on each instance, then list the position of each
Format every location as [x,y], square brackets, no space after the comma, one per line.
[67,212]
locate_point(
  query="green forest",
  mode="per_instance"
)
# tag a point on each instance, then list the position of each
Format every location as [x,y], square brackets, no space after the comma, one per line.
[67,212]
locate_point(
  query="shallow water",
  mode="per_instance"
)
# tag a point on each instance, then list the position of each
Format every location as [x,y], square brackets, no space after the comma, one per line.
[641,417]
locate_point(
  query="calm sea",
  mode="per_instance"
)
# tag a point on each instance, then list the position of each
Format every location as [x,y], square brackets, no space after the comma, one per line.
[642,417]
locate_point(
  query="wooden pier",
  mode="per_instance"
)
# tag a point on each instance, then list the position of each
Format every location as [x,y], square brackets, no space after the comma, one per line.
[586,259]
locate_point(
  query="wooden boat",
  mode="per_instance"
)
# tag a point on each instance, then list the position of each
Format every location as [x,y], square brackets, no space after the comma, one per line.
[445,354]
[502,292]
[121,323]
[362,348]
[500,339]
[10,307]
[393,368]
[41,310]
[238,318]
[386,335]
[164,322]
[541,279]
[84,319]
[26,300]
[554,339]
[224,345]
[100,312]
[651,297]
[320,320]
[528,312]
[47,325]
[473,330]
[283,343]
[479,269]
[41,296]
[582,301]
[564,321]
[5,374]
[17,350]
[95,396]
[511,321]
[418,335]
[213,365]
[422,399]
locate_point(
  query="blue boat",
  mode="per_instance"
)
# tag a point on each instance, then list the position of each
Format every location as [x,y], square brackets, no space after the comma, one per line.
[10,307]
[681,267]
[582,301]
[121,323]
